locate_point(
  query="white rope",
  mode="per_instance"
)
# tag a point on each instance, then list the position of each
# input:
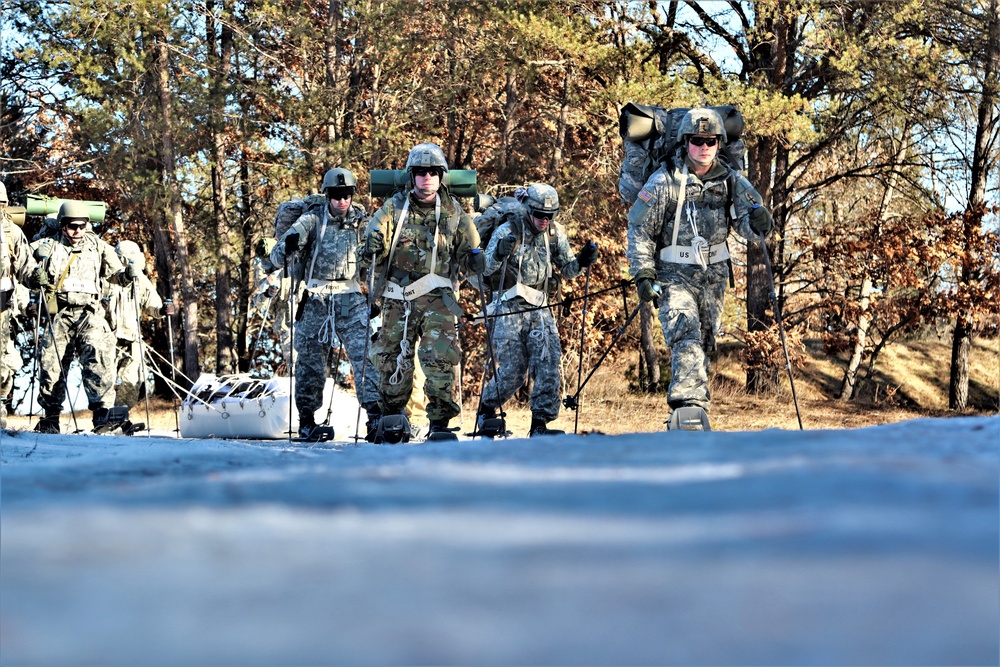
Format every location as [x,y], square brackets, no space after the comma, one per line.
[404,360]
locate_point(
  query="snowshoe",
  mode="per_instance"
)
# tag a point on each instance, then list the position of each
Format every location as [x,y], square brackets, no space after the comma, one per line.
[107,420]
[128,428]
[315,433]
[489,425]
[688,418]
[440,432]
[393,429]
[48,425]
[539,427]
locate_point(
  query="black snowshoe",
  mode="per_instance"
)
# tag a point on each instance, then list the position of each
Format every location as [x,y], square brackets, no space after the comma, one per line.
[107,420]
[48,424]
[393,429]
[539,427]
[688,418]
[489,425]
[315,433]
[440,432]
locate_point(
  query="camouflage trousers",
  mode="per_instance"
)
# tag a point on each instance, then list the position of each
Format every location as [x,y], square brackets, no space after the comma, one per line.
[10,358]
[323,321]
[130,367]
[426,320]
[690,314]
[526,344]
[82,331]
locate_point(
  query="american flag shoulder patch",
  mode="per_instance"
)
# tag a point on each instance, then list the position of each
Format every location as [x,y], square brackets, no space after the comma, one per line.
[645,195]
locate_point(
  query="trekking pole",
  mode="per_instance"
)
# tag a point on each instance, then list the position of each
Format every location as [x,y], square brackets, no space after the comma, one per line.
[490,326]
[34,357]
[260,332]
[371,313]
[781,326]
[336,375]
[572,402]
[291,248]
[169,310]
[142,357]
[583,325]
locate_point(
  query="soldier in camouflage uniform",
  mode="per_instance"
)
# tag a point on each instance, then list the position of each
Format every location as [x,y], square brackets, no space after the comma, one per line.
[527,343]
[125,313]
[272,297]
[16,266]
[424,240]
[333,304]
[74,271]
[677,240]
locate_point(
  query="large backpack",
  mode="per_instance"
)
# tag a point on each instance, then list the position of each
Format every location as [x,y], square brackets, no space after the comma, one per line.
[650,137]
[500,211]
[293,209]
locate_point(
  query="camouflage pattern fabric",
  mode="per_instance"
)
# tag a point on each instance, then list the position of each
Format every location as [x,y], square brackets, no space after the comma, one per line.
[691,301]
[16,267]
[526,344]
[313,342]
[328,244]
[431,330]
[84,332]
[79,275]
[129,348]
[277,309]
[429,319]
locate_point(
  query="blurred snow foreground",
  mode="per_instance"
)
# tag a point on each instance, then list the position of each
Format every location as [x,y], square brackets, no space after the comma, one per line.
[870,546]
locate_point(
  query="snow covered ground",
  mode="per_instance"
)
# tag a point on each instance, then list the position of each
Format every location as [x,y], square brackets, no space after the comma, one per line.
[872,546]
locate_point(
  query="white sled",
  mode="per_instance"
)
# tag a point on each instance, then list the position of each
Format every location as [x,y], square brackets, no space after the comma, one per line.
[241,406]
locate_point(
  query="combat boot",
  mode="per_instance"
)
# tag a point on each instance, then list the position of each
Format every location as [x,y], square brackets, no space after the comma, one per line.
[109,419]
[440,431]
[538,427]
[371,426]
[488,425]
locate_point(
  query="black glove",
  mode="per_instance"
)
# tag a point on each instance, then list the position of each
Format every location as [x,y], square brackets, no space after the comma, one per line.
[761,220]
[645,282]
[374,243]
[291,242]
[506,245]
[587,255]
[40,277]
[133,270]
[477,261]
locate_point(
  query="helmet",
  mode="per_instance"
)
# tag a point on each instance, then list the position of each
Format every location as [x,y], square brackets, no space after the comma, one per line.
[131,252]
[702,121]
[542,197]
[3,193]
[339,178]
[426,155]
[73,210]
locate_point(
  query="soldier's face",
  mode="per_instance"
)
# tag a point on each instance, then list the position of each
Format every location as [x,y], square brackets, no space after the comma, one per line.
[702,148]
[541,219]
[74,230]
[426,183]
[340,200]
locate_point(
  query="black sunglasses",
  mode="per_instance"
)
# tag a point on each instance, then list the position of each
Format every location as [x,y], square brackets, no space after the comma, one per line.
[425,171]
[704,141]
[75,225]
[543,215]
[332,194]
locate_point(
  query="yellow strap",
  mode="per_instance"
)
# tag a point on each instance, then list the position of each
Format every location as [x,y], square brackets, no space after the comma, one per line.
[65,272]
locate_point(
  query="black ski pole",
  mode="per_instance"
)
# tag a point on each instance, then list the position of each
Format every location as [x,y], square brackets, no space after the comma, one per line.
[371,314]
[490,351]
[169,311]
[573,402]
[583,325]
[781,326]
[291,247]
[142,357]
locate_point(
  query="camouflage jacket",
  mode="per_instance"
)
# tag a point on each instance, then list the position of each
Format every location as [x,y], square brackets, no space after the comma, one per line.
[16,261]
[530,263]
[79,274]
[328,244]
[411,260]
[122,313]
[709,207]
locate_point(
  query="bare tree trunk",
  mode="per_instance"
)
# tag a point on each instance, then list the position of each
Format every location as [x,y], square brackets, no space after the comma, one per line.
[958,383]
[243,304]
[174,212]
[562,124]
[225,360]
[647,350]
